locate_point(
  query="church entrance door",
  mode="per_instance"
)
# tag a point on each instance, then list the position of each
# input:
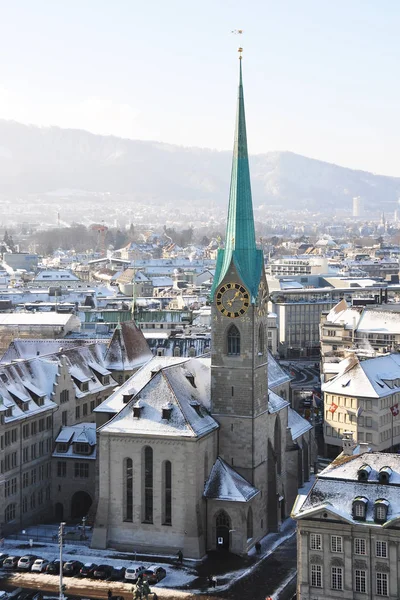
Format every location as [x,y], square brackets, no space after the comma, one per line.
[222,527]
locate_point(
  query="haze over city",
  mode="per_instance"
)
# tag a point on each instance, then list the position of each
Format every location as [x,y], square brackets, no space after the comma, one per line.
[320,77]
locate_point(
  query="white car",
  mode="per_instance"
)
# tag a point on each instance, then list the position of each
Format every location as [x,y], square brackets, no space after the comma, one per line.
[132,573]
[39,565]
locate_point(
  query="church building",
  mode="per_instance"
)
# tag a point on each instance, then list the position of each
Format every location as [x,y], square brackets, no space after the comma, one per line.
[198,454]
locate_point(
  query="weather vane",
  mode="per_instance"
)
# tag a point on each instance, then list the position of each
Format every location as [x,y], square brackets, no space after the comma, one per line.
[238,32]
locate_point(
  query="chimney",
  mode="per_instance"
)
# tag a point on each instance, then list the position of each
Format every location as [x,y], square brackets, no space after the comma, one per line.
[348,443]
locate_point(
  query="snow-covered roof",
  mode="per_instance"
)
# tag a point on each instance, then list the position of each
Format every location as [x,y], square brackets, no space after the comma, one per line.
[185,385]
[275,402]
[38,318]
[276,375]
[372,378]
[56,275]
[83,433]
[224,483]
[337,487]
[297,424]
[115,402]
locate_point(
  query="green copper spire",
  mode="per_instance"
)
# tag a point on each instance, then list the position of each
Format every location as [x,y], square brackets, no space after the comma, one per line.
[240,242]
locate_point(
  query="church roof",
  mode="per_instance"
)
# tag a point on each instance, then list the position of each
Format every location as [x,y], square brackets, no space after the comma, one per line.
[240,240]
[224,483]
[276,375]
[128,348]
[182,387]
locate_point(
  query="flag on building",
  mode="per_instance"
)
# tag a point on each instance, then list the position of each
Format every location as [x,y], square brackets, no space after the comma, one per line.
[333,407]
[395,410]
[359,411]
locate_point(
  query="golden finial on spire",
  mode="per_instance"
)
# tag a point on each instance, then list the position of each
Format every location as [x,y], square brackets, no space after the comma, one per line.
[238,32]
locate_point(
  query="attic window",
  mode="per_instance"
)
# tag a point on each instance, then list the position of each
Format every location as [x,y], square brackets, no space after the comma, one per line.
[82,448]
[61,447]
[190,378]
[127,395]
[363,473]
[384,475]
[166,411]
[84,386]
[381,510]
[9,412]
[360,508]
[196,407]
[136,409]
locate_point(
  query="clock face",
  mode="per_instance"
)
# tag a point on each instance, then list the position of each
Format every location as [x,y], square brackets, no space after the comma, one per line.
[232,300]
[262,301]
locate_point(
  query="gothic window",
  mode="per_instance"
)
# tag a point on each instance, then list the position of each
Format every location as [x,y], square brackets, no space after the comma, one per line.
[205,467]
[167,493]
[148,485]
[192,352]
[277,445]
[261,339]
[233,341]
[9,513]
[250,524]
[128,489]
[177,351]
[223,520]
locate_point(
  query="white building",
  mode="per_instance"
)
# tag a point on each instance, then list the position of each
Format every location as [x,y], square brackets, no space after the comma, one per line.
[348,530]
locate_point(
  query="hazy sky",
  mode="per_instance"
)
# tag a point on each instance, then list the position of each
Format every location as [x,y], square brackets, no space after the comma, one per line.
[321,76]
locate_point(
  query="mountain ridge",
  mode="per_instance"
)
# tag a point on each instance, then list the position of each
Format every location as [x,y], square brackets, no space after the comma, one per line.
[37,159]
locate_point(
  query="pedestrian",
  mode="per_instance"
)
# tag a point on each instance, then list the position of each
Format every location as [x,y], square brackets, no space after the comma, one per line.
[109,594]
[180,556]
[258,547]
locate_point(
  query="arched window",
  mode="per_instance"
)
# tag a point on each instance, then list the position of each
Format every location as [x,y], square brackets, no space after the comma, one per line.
[167,493]
[277,445]
[250,524]
[177,351]
[233,341]
[223,520]
[192,352]
[9,513]
[128,489]
[205,466]
[261,339]
[148,485]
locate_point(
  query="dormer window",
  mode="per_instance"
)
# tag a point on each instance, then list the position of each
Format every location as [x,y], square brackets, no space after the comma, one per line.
[84,387]
[62,447]
[384,475]
[166,411]
[128,395]
[137,407]
[363,472]
[197,407]
[381,510]
[81,448]
[190,378]
[360,508]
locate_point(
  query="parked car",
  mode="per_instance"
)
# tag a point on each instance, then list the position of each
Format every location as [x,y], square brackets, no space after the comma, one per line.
[87,570]
[53,568]
[103,572]
[3,556]
[11,562]
[72,567]
[132,573]
[25,562]
[39,565]
[154,574]
[118,573]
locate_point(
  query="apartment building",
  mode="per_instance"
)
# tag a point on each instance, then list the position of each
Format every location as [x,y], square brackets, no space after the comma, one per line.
[372,328]
[348,534]
[363,398]
[42,392]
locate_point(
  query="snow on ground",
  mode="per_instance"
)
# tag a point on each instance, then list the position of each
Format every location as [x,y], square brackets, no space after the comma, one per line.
[178,576]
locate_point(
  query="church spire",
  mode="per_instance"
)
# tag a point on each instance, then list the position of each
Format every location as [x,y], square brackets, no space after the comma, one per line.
[240,241]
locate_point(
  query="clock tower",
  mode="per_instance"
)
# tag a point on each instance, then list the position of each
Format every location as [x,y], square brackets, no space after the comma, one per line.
[239,368]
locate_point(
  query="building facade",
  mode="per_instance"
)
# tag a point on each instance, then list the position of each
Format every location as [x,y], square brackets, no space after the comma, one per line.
[348,530]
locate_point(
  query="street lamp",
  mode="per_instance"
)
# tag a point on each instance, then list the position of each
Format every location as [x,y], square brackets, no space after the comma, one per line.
[60,542]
